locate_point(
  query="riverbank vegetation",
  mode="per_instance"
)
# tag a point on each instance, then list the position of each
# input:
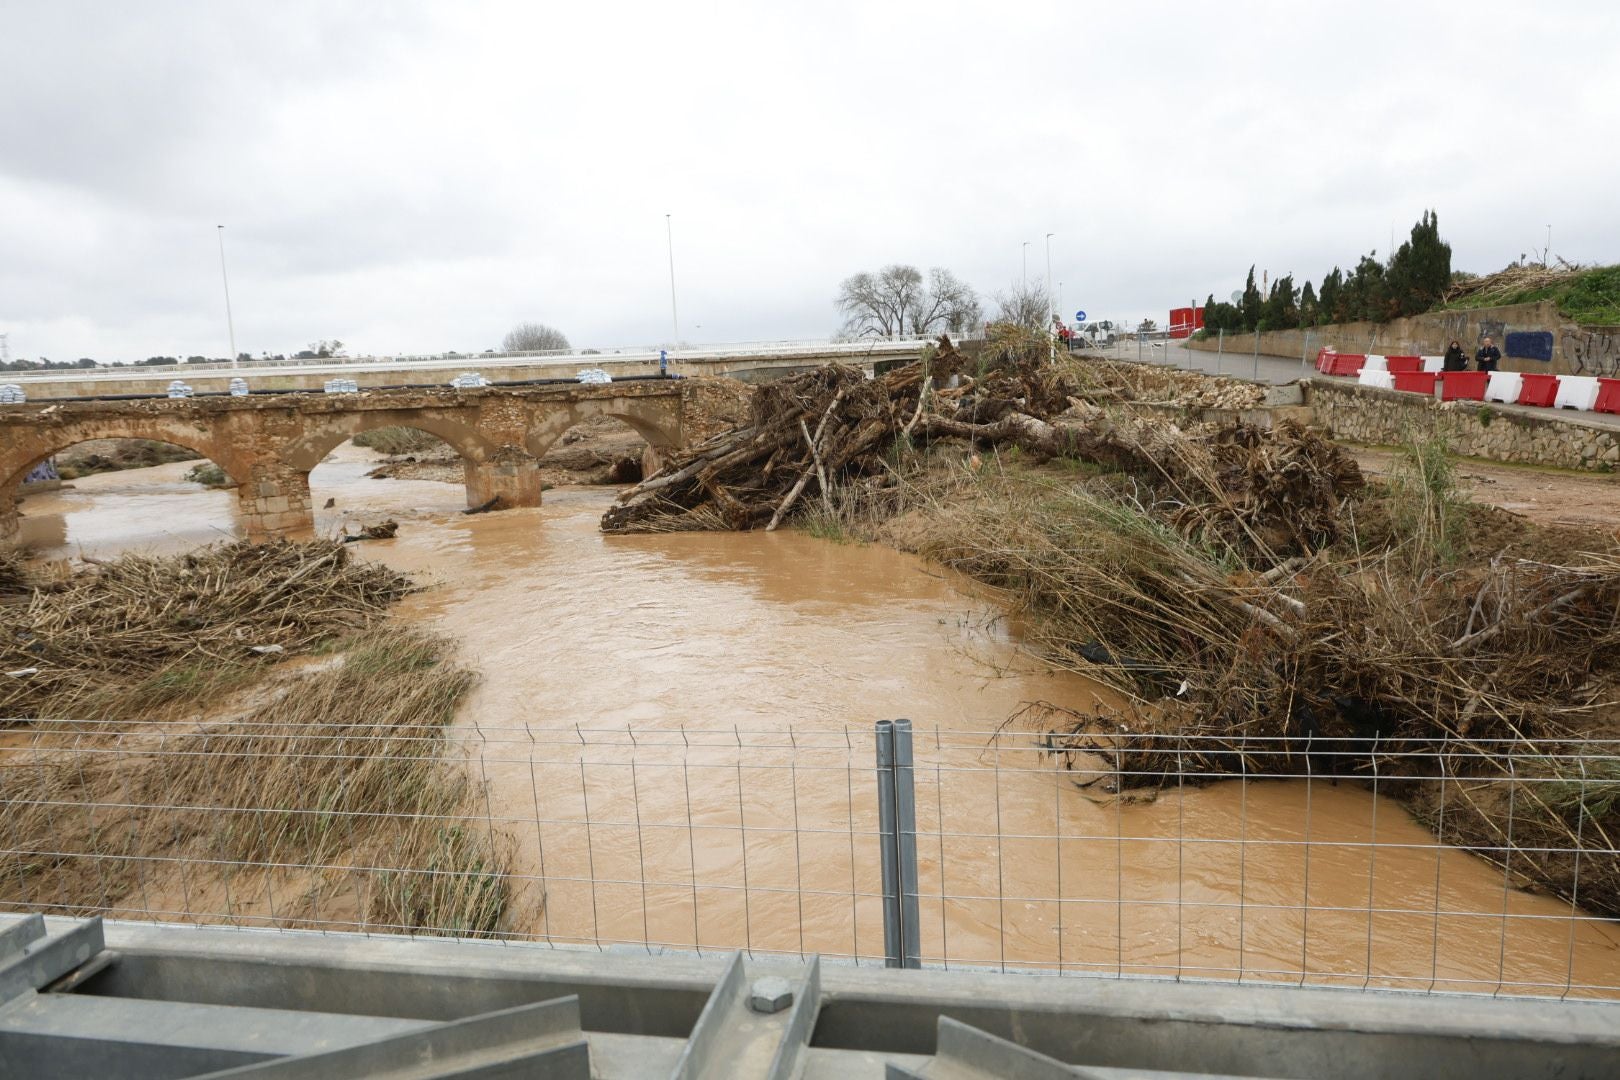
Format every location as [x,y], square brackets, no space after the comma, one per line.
[174,762]
[1242,589]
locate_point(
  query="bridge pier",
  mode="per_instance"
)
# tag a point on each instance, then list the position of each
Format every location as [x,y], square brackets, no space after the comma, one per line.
[509,474]
[10,523]
[275,501]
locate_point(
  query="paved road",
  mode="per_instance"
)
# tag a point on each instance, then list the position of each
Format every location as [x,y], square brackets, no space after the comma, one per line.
[1276,369]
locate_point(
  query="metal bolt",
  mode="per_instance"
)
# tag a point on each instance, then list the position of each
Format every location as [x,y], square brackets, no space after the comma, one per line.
[770,995]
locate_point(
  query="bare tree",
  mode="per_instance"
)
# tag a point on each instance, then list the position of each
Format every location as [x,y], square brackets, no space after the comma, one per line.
[533,337]
[896,300]
[1024,306]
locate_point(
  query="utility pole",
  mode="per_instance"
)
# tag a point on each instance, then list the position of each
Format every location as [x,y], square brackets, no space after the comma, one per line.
[674,313]
[230,324]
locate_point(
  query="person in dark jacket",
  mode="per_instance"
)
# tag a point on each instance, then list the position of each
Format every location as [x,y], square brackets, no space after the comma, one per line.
[1488,356]
[1456,359]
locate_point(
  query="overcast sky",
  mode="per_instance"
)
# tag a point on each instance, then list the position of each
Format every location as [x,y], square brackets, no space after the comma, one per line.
[415,178]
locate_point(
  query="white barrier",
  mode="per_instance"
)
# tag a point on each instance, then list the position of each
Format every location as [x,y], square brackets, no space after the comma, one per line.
[1576,392]
[1376,377]
[1375,363]
[1504,387]
[1434,363]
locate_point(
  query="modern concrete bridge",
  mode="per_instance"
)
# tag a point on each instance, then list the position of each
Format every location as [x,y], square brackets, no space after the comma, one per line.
[752,361]
[268,444]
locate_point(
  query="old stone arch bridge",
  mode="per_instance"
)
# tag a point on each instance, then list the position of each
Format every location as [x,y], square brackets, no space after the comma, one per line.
[268,445]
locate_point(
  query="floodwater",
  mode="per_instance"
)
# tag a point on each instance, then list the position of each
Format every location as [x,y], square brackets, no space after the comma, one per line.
[705,702]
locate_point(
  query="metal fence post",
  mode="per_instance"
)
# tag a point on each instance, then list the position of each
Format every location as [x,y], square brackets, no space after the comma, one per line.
[897,829]
[1220,349]
[1305,351]
[1256,356]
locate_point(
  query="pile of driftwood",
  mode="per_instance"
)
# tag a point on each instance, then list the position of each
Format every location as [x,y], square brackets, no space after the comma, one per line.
[811,434]
[137,629]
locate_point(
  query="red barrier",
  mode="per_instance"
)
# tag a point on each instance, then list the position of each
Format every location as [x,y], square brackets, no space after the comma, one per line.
[1346,364]
[1398,364]
[1417,382]
[1608,399]
[1324,357]
[1463,385]
[1538,390]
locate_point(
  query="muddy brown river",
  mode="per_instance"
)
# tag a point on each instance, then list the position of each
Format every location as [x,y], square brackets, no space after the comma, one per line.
[705,702]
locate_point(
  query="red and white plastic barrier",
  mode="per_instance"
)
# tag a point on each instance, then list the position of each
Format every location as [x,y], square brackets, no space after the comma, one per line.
[1577,392]
[1504,387]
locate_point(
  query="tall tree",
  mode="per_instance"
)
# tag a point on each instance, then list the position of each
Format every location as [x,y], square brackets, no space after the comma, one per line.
[1328,301]
[1251,303]
[1025,307]
[534,337]
[1428,266]
[1307,305]
[1281,310]
[896,300]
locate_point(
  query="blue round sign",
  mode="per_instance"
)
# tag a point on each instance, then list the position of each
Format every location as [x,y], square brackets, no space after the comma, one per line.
[1079,316]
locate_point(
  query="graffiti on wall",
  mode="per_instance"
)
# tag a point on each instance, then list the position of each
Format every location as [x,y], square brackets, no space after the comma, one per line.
[1592,352]
[1529,345]
[1492,328]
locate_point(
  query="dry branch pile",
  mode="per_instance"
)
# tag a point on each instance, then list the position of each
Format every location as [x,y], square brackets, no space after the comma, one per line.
[1156,385]
[140,632]
[1507,284]
[813,434]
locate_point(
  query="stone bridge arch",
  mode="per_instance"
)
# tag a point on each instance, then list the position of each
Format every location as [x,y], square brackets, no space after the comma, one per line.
[18,458]
[332,430]
[654,419]
[24,449]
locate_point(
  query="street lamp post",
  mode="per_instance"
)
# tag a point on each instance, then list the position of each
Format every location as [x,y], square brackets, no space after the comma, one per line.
[1050,310]
[674,313]
[230,324]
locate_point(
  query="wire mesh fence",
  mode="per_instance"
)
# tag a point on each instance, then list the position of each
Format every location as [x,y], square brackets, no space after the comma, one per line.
[1120,857]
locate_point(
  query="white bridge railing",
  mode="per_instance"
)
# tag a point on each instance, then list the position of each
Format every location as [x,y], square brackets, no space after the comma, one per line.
[563,358]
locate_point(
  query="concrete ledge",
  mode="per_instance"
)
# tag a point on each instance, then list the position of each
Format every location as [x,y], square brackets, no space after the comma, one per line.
[1495,432]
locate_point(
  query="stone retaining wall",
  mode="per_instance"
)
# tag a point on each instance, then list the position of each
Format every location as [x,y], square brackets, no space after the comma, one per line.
[1366,414]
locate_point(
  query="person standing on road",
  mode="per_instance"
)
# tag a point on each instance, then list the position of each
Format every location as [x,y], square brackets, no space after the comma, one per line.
[1488,356]
[1456,359]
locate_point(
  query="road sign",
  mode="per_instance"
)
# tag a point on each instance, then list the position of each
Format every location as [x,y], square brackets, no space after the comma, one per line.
[1079,316]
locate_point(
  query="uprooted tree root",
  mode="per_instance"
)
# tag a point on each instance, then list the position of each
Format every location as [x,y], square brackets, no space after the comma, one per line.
[335,804]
